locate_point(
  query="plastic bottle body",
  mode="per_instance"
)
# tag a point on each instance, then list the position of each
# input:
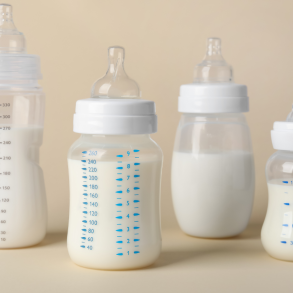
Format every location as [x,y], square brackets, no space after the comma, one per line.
[114,221]
[213,175]
[23,208]
[276,234]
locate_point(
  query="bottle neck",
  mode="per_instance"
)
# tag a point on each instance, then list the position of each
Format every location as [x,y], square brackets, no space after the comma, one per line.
[101,138]
[19,84]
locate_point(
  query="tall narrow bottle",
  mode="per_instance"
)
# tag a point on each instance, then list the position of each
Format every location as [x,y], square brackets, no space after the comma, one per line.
[23,211]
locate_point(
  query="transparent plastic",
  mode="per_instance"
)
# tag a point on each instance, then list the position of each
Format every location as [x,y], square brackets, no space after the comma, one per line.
[23,213]
[115,84]
[276,234]
[213,174]
[114,220]
[214,68]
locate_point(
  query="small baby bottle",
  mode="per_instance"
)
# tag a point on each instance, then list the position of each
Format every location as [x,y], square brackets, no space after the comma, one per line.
[23,210]
[276,233]
[115,175]
[212,167]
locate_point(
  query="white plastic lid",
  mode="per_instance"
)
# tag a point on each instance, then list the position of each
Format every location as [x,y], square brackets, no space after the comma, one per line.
[15,63]
[282,134]
[115,107]
[213,90]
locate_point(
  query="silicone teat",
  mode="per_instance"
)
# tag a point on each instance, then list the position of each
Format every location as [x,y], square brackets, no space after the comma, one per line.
[115,84]
[11,40]
[213,68]
[290,116]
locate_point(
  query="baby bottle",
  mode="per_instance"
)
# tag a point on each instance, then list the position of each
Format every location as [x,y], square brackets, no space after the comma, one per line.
[23,211]
[276,233]
[115,175]
[212,166]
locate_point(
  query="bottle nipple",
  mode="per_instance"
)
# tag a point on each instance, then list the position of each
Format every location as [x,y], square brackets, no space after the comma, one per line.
[214,68]
[115,84]
[11,40]
[290,116]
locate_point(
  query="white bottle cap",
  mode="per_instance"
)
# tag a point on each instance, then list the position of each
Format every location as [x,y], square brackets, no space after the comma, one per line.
[282,134]
[213,90]
[115,107]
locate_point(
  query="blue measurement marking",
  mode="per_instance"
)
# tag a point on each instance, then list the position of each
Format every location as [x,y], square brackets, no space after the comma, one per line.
[119,162]
[119,173]
[119,236]
[84,185]
[285,182]
[136,188]
[136,221]
[136,214]
[84,238]
[135,240]
[85,177]
[136,170]
[84,152]
[118,211]
[119,247]
[85,194]
[136,182]
[135,227]
[119,224]
[136,194]
[119,179]
[84,221]
[120,217]
[136,200]
[136,151]
[284,242]
[84,230]
[119,241]
[82,246]
[119,254]
[83,169]
[135,176]
[119,204]
[85,203]
[136,252]
[85,212]
[119,156]
[84,161]
[285,225]
[119,230]
[136,234]
[136,164]
[119,191]
[286,203]
[119,168]
[136,207]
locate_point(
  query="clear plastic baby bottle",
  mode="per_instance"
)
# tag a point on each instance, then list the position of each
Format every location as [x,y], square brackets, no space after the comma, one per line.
[213,167]
[115,176]
[276,234]
[23,211]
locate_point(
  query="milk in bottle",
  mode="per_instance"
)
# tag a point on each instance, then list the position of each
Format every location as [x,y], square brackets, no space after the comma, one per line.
[212,167]
[115,176]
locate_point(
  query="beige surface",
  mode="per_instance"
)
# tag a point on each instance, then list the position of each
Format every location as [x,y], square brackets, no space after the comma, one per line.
[163,39]
[186,265]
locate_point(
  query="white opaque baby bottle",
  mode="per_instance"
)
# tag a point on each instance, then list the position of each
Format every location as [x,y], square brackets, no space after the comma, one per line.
[23,211]
[213,167]
[115,176]
[276,234]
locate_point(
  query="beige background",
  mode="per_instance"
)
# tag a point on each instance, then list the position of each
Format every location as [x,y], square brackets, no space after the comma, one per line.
[164,39]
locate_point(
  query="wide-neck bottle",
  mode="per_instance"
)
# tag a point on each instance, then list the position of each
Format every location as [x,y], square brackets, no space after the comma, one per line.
[23,210]
[115,175]
[212,167]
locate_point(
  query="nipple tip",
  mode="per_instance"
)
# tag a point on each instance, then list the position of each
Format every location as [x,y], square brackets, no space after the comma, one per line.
[214,46]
